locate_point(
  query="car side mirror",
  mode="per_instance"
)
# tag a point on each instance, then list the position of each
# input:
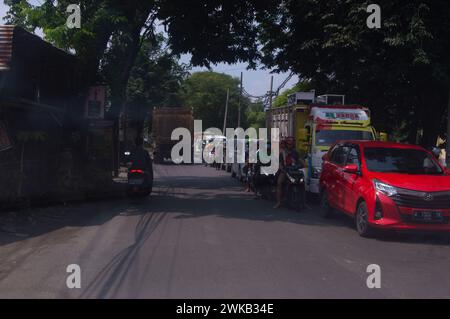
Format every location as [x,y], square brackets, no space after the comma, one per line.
[351,169]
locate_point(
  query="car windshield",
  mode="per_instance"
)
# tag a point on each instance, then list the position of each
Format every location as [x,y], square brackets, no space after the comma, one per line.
[398,160]
[329,137]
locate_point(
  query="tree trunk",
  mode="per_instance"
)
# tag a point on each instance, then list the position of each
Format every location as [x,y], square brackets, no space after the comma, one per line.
[119,86]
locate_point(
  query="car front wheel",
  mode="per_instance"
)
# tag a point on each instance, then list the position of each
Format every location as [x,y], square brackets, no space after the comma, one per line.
[362,221]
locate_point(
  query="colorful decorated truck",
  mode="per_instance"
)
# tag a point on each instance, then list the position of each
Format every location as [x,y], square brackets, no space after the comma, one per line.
[317,123]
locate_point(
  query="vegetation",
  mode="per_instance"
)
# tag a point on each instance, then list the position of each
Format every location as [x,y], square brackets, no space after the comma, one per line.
[206,93]
[255,115]
[281,99]
[401,70]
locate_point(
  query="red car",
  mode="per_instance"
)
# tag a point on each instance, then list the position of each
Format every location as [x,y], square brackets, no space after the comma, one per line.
[386,185]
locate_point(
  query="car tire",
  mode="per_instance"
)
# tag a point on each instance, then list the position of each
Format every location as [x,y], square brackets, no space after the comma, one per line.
[325,209]
[362,221]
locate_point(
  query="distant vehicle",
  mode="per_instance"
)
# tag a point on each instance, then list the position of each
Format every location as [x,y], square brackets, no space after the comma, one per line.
[317,123]
[139,183]
[164,121]
[386,186]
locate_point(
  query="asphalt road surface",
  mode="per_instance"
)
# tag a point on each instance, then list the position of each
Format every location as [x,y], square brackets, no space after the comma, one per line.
[200,236]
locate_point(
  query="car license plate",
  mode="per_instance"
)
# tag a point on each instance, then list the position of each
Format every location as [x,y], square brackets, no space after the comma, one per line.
[428,216]
[137,181]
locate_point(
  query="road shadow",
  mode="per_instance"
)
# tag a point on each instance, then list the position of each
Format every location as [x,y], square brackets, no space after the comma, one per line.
[185,194]
[33,222]
[231,202]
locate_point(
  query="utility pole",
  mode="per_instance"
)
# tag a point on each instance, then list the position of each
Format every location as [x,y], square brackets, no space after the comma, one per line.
[271,92]
[225,118]
[239,105]
[226,112]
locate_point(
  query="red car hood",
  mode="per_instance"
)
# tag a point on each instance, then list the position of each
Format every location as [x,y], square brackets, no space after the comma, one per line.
[426,183]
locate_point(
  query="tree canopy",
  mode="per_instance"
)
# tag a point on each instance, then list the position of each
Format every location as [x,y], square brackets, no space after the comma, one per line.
[392,69]
[401,70]
[281,99]
[211,31]
[206,93]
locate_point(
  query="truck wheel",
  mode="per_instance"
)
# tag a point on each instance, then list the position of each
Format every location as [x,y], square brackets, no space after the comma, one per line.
[325,209]
[362,221]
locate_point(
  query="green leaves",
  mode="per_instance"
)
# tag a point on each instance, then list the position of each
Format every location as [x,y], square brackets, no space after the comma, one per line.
[206,93]
[392,68]
[281,100]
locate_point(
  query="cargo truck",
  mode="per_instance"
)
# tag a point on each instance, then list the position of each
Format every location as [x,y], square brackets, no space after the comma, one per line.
[318,122]
[164,121]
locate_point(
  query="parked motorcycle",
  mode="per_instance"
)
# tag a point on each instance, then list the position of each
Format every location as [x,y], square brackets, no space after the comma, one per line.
[295,187]
[140,182]
[264,184]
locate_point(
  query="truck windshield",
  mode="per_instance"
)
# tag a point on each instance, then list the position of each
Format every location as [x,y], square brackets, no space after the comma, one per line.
[396,160]
[329,137]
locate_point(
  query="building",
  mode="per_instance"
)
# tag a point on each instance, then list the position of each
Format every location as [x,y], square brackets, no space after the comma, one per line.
[41,115]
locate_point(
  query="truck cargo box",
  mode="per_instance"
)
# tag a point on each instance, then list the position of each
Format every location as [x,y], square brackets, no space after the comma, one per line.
[164,121]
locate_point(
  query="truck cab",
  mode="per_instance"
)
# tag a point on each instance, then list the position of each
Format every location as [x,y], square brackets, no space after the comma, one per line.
[327,124]
[317,122]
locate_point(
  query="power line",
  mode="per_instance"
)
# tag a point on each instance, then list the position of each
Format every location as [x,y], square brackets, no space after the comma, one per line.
[284,83]
[266,97]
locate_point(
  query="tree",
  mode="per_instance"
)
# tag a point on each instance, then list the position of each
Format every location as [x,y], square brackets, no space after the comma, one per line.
[156,80]
[255,115]
[206,93]
[281,100]
[392,69]
[212,31]
[219,31]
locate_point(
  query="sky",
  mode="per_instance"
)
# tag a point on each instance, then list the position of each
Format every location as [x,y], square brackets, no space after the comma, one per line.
[255,82]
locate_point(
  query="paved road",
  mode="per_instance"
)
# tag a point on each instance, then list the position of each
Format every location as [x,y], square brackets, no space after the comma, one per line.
[200,236]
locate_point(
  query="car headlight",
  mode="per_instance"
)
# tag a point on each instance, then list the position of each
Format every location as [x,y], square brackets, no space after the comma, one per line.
[385,188]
